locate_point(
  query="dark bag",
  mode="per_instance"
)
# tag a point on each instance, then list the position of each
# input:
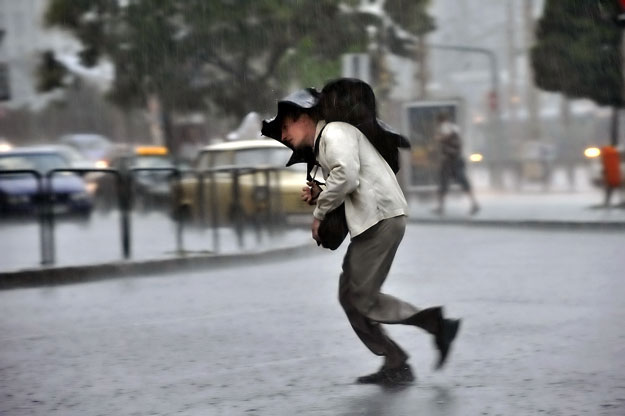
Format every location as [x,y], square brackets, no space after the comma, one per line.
[333,229]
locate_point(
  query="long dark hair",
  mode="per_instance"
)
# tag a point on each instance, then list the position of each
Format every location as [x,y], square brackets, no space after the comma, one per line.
[352,101]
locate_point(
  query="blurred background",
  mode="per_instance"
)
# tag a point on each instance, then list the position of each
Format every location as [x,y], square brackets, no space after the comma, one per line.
[130,151]
[151,110]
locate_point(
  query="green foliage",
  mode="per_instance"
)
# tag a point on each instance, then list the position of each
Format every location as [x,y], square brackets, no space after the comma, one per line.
[578,50]
[411,15]
[232,55]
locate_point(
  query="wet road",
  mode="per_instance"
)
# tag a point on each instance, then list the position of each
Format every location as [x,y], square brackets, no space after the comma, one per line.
[542,334]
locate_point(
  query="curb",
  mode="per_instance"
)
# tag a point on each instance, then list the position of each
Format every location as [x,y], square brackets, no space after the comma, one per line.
[53,276]
[534,224]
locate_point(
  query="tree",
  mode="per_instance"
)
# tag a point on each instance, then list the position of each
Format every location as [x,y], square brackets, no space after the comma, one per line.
[577,50]
[230,56]
[578,53]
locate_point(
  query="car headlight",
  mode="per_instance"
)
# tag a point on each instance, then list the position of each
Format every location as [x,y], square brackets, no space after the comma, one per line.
[592,152]
[91,187]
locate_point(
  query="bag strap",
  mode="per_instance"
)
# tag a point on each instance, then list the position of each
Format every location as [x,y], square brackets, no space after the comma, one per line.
[310,166]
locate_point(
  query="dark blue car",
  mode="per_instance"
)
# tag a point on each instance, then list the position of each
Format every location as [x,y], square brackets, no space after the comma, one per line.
[19,194]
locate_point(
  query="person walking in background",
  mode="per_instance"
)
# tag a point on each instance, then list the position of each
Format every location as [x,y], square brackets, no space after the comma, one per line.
[357,175]
[452,165]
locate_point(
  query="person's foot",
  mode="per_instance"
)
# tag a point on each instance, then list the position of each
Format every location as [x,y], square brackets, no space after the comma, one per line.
[400,375]
[389,376]
[474,209]
[444,338]
[437,211]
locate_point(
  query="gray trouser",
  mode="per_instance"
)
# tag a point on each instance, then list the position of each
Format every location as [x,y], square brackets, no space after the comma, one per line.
[366,264]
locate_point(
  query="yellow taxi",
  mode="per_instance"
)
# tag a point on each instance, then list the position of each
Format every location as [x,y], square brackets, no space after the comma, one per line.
[243,179]
[151,189]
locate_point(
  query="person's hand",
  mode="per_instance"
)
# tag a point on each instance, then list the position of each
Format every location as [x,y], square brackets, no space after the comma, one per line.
[315,230]
[310,193]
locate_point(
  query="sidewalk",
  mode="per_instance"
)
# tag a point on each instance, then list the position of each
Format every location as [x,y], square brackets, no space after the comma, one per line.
[535,208]
[86,261]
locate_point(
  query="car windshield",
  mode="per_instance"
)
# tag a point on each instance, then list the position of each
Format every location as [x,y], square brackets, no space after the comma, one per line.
[151,162]
[72,155]
[259,157]
[91,146]
[41,162]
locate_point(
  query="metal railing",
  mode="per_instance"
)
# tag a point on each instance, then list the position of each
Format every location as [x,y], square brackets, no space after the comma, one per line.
[266,202]
[237,216]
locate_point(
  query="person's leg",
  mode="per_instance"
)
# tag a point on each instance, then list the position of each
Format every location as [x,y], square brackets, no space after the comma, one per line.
[444,174]
[366,265]
[395,369]
[359,287]
[460,176]
[371,333]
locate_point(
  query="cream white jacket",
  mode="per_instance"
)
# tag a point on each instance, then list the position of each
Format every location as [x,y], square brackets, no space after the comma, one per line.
[355,173]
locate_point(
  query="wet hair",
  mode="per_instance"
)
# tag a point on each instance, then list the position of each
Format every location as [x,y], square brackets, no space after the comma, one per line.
[294,112]
[352,101]
[348,100]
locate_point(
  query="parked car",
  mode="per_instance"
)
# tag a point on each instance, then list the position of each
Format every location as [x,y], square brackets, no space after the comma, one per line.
[151,189]
[252,159]
[19,193]
[94,147]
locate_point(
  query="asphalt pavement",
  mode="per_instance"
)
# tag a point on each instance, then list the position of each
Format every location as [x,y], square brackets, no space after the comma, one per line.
[542,334]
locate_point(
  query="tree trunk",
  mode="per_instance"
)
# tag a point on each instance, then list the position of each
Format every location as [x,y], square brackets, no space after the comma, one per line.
[532,92]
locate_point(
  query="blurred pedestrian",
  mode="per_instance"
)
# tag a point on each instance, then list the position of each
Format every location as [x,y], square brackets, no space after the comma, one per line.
[357,175]
[451,164]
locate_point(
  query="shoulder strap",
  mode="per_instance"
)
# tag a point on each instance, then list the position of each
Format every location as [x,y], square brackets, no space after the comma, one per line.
[317,140]
[311,165]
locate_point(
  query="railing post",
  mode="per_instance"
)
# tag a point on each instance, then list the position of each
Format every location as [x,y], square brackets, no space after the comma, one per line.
[236,207]
[179,219]
[214,211]
[49,215]
[270,205]
[123,199]
[257,205]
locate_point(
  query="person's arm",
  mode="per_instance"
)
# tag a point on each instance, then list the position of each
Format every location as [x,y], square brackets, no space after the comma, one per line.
[340,151]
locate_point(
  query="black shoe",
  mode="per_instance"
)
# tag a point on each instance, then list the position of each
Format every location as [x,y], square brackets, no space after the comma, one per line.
[389,376]
[378,377]
[444,337]
[400,375]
